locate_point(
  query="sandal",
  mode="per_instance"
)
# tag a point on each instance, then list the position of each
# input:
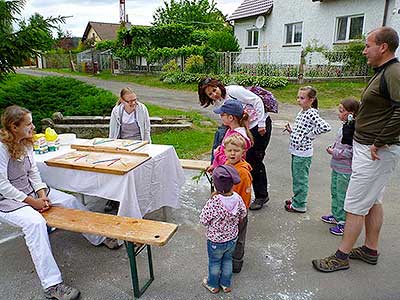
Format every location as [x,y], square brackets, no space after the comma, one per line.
[290,208]
[288,201]
[209,288]
[226,289]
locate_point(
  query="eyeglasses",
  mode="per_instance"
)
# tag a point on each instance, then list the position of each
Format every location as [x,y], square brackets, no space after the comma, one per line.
[130,101]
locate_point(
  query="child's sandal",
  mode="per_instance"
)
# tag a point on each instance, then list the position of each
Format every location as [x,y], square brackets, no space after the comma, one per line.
[226,289]
[209,288]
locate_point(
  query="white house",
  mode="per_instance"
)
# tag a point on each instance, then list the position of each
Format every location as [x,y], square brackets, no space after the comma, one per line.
[287,26]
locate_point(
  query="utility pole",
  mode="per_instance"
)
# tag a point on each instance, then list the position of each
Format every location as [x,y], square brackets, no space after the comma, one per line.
[122,12]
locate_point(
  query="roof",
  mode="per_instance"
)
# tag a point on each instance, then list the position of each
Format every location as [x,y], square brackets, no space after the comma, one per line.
[250,8]
[106,31]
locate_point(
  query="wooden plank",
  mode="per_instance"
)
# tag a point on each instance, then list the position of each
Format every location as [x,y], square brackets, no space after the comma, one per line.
[102,162]
[194,164]
[123,228]
[109,145]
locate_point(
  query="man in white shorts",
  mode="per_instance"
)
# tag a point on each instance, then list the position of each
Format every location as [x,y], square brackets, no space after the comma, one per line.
[376,152]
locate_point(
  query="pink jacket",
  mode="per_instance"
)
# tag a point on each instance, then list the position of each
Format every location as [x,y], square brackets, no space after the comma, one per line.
[221,216]
[219,153]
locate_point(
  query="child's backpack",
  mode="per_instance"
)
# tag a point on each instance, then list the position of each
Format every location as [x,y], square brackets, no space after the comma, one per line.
[270,103]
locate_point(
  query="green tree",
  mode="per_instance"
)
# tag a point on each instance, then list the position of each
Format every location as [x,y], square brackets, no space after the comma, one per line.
[200,14]
[30,39]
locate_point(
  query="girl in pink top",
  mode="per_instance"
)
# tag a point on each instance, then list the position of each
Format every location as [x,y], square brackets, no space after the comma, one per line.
[234,117]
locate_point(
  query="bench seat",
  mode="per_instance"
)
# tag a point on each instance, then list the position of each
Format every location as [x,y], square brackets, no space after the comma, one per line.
[138,234]
[194,164]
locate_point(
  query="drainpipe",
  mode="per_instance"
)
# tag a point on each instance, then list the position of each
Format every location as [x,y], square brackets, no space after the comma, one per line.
[385,13]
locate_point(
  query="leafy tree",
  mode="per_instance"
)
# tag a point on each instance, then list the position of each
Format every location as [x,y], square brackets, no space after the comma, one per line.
[223,41]
[200,14]
[30,39]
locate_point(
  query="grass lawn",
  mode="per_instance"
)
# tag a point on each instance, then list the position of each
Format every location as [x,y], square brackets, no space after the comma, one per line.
[329,93]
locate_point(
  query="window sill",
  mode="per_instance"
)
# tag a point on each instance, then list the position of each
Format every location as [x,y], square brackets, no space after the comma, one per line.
[345,42]
[292,45]
[251,47]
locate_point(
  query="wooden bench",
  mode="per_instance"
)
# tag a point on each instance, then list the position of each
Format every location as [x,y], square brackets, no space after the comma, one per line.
[190,164]
[131,231]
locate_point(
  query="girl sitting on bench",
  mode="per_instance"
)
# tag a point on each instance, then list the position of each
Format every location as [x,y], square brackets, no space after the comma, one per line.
[23,196]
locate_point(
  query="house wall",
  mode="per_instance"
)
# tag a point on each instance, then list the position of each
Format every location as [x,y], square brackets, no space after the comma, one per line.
[393,18]
[319,22]
[90,35]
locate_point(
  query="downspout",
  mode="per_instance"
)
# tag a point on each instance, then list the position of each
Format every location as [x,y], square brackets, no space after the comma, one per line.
[385,12]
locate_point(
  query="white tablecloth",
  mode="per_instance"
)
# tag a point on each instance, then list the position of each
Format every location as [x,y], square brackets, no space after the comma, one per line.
[148,187]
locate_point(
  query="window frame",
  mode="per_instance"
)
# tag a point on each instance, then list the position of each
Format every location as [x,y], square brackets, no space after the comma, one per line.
[348,26]
[252,31]
[292,40]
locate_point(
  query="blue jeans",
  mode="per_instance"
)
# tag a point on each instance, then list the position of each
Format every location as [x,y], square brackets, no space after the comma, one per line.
[220,263]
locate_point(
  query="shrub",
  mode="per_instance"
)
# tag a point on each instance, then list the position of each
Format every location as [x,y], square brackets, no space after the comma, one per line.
[240,79]
[194,64]
[170,66]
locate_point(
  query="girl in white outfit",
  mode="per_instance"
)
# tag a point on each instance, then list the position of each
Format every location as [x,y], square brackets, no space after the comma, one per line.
[23,196]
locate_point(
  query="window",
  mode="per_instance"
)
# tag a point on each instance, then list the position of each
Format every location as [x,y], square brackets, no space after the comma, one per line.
[349,28]
[293,33]
[252,38]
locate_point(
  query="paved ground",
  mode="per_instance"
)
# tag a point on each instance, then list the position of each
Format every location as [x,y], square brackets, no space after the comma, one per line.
[279,249]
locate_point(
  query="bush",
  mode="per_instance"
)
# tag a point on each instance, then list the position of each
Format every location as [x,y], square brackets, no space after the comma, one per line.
[240,79]
[46,95]
[194,64]
[170,66]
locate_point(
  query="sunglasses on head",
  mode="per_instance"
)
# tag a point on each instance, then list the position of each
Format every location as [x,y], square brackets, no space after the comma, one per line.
[206,81]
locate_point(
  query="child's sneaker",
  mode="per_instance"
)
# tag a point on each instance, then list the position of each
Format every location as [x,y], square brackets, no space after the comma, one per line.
[330,219]
[61,291]
[337,230]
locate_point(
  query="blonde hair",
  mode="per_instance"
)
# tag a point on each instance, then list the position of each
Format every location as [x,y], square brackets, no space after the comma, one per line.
[13,116]
[311,93]
[122,93]
[236,140]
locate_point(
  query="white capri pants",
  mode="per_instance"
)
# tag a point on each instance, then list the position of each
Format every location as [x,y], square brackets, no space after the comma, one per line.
[33,226]
[369,177]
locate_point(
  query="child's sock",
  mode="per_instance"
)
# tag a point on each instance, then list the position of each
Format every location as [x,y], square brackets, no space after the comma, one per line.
[341,255]
[369,251]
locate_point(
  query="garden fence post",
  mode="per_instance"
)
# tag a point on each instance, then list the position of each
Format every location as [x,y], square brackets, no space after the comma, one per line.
[300,75]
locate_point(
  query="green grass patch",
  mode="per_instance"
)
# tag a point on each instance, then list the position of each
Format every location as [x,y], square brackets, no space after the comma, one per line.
[329,93]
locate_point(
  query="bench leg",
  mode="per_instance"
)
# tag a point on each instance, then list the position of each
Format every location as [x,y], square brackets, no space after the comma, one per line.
[132,254]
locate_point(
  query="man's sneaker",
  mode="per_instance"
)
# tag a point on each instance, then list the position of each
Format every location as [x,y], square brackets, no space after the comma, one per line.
[61,291]
[337,230]
[330,219]
[359,253]
[330,264]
